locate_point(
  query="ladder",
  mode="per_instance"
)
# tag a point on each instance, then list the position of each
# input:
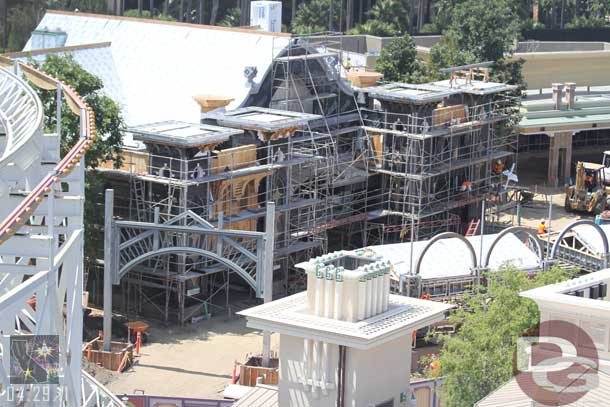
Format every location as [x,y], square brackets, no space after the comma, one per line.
[473,227]
[138,189]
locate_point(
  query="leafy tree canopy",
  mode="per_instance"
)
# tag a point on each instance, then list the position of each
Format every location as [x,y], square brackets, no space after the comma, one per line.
[107,146]
[398,61]
[478,359]
[231,19]
[108,118]
[313,16]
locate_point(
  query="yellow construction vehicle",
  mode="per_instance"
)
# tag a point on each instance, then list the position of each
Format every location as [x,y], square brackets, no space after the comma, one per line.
[589,193]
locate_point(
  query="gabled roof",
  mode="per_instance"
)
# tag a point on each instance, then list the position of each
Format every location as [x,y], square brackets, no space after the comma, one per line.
[161,65]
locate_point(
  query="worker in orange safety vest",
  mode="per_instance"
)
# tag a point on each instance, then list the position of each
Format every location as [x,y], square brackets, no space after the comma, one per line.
[542,227]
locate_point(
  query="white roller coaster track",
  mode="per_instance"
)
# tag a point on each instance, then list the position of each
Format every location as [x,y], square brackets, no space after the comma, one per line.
[41,238]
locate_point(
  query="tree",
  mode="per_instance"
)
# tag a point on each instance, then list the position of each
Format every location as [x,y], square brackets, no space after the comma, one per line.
[479,357]
[375,27]
[313,16]
[394,12]
[488,30]
[231,19]
[108,122]
[478,32]
[398,61]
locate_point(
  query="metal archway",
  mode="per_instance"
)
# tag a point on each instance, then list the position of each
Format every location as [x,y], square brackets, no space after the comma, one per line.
[572,226]
[447,235]
[190,250]
[514,229]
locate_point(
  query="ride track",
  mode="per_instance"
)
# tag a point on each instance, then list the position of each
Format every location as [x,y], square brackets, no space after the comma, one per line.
[49,300]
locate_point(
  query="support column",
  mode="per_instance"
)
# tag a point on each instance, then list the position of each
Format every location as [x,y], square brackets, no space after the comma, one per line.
[560,158]
[268,274]
[109,206]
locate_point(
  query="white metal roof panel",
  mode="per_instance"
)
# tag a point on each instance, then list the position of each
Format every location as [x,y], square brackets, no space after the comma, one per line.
[259,396]
[591,237]
[161,66]
[511,395]
[449,257]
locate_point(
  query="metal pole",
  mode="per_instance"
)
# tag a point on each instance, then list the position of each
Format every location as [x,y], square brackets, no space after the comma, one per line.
[58,111]
[268,273]
[482,232]
[108,265]
[548,230]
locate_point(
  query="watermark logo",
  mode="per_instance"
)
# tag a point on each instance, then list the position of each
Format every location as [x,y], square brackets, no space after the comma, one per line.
[34,359]
[556,364]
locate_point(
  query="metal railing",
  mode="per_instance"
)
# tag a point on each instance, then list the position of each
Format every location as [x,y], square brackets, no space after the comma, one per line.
[20,113]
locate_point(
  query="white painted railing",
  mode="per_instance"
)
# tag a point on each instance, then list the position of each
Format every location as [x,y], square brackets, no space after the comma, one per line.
[57,296]
[21,113]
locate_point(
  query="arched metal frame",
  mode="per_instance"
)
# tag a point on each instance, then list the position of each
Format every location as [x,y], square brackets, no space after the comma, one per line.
[513,230]
[572,226]
[190,250]
[447,235]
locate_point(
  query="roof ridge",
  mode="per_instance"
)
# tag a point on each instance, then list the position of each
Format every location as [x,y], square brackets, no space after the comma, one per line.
[57,49]
[174,23]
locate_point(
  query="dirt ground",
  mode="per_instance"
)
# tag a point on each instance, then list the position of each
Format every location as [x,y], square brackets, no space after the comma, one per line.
[192,361]
[532,174]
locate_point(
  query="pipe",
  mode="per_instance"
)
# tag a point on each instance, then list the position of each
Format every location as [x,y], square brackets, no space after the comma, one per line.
[319,298]
[338,314]
[341,385]
[361,298]
[369,294]
[386,288]
[374,292]
[329,292]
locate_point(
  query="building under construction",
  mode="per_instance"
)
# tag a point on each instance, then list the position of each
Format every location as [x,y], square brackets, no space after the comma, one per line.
[348,163]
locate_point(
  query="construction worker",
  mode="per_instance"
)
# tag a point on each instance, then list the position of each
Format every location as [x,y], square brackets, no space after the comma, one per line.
[466,186]
[347,64]
[542,227]
[499,167]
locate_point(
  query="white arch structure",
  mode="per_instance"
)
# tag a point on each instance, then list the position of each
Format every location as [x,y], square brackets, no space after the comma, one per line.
[41,234]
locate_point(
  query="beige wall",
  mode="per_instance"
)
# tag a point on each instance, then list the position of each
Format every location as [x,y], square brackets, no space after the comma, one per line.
[584,68]
[372,376]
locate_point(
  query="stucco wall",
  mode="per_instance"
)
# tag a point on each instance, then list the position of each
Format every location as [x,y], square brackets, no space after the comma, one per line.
[584,68]
[372,376]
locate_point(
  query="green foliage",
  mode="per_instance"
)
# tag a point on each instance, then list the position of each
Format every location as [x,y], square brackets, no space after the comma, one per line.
[583,22]
[231,19]
[479,357]
[477,32]
[312,16]
[146,14]
[398,61]
[510,72]
[108,119]
[135,13]
[487,30]
[375,27]
[21,21]
[85,6]
[110,126]
[393,12]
